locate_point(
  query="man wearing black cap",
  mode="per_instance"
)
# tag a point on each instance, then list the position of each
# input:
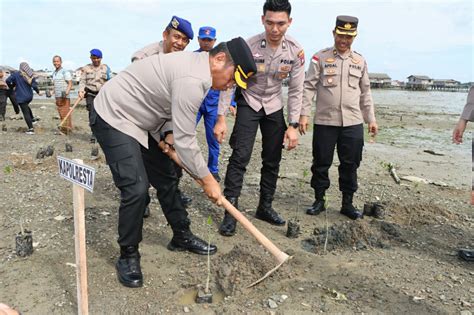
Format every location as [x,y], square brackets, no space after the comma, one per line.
[93,78]
[339,78]
[135,111]
[278,57]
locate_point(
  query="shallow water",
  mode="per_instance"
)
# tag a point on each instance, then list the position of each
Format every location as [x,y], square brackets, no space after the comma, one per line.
[421,101]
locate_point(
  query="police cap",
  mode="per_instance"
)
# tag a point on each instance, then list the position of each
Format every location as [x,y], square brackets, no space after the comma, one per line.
[182,25]
[96,53]
[346,25]
[207,32]
[243,60]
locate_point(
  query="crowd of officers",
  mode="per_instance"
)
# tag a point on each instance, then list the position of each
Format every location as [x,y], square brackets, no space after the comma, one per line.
[149,112]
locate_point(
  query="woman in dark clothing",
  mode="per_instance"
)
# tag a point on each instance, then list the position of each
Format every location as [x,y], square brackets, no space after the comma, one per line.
[23,82]
[3,96]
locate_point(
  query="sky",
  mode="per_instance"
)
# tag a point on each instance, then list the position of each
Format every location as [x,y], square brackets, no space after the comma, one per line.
[400,38]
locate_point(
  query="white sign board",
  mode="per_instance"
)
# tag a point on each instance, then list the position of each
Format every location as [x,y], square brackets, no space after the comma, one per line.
[79,174]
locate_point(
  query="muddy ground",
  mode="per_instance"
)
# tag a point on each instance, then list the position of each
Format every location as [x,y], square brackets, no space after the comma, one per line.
[404,263]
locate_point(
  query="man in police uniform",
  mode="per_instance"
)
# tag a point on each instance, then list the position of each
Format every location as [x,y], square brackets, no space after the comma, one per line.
[176,37]
[278,57]
[93,78]
[135,111]
[208,109]
[339,78]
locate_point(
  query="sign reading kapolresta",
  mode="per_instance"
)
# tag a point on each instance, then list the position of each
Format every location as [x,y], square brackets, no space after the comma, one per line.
[79,174]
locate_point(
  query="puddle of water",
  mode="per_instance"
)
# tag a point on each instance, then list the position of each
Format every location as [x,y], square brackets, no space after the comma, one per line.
[189,297]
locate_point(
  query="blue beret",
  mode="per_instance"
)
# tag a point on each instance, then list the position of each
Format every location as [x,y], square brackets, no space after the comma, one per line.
[182,25]
[96,52]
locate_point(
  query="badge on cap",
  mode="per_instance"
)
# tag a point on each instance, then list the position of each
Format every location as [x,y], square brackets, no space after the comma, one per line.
[175,23]
[347,26]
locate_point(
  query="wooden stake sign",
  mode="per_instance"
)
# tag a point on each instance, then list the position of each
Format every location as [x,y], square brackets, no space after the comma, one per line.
[81,176]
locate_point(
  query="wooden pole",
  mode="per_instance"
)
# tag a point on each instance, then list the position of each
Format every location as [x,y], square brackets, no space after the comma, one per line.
[80,245]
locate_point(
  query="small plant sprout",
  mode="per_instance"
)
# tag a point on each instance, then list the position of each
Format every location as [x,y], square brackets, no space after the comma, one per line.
[209,225]
[8,169]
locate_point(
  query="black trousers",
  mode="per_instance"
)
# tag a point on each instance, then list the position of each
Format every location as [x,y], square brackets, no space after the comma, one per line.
[133,168]
[350,142]
[272,128]
[27,114]
[3,102]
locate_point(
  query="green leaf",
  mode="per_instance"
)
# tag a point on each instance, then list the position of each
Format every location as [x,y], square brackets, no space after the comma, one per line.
[209,220]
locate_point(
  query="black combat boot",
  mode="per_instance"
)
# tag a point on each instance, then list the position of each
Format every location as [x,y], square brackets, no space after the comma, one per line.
[265,211]
[227,227]
[348,209]
[319,205]
[128,268]
[183,239]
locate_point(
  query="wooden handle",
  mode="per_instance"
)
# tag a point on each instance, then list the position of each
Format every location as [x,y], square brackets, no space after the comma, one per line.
[70,111]
[262,239]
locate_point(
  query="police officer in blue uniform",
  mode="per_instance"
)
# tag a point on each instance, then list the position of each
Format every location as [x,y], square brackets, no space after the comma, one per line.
[208,109]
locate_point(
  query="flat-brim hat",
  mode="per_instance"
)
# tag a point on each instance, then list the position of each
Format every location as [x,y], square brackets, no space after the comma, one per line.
[346,25]
[243,60]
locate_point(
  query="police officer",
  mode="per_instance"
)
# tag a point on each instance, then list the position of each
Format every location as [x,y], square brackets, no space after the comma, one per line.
[176,37]
[134,112]
[277,57]
[339,79]
[93,78]
[208,109]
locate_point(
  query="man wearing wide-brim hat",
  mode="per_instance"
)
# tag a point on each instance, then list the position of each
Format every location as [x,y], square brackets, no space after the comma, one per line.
[338,77]
[135,111]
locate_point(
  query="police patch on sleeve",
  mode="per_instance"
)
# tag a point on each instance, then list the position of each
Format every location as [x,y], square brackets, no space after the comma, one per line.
[301,56]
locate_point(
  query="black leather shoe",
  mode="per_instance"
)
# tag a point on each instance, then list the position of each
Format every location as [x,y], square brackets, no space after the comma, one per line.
[351,212]
[146,214]
[192,243]
[269,215]
[128,268]
[227,227]
[318,206]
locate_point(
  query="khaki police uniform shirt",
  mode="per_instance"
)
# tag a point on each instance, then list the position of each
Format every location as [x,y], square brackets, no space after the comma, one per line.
[468,112]
[264,89]
[147,51]
[342,88]
[93,78]
[156,94]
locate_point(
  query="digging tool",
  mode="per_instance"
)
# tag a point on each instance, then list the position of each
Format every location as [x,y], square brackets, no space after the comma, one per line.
[281,257]
[70,112]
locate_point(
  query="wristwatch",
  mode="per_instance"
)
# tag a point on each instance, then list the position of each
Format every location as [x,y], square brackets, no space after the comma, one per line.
[294,125]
